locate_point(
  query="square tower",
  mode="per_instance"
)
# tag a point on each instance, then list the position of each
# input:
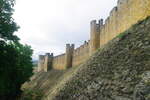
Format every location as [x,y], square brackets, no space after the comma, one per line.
[69,55]
[95,35]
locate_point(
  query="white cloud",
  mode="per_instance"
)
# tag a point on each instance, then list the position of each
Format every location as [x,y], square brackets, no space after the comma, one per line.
[47,25]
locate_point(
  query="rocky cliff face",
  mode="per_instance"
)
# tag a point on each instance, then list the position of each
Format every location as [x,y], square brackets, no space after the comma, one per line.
[118,71]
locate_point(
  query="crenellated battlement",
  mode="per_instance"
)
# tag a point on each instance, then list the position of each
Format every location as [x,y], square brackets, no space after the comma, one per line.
[113,11]
[45,62]
[121,18]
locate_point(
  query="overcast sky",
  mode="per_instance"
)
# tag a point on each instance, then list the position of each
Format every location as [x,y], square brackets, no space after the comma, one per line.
[47,25]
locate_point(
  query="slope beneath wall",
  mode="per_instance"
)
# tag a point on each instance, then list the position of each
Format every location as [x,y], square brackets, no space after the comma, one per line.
[42,83]
[118,71]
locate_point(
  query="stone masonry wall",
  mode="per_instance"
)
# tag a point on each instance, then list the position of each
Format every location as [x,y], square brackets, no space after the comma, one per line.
[59,62]
[81,54]
[127,13]
[121,18]
[41,63]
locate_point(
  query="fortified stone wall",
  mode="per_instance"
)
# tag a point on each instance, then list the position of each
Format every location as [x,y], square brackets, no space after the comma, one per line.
[81,54]
[95,35]
[41,63]
[45,62]
[127,13]
[123,16]
[64,61]
[59,62]
[48,60]
[69,55]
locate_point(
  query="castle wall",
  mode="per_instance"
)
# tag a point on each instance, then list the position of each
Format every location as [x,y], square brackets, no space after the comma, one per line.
[95,35]
[59,62]
[122,17]
[41,63]
[48,60]
[69,55]
[81,54]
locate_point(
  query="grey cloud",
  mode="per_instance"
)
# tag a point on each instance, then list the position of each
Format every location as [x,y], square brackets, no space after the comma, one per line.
[47,25]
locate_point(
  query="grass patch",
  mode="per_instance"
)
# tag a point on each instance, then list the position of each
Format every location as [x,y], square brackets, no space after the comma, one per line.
[32,95]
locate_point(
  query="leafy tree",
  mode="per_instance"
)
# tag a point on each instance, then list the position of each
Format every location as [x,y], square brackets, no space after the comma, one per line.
[7,24]
[15,58]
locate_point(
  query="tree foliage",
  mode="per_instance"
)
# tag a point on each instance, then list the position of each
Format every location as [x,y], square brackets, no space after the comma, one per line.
[7,24]
[15,58]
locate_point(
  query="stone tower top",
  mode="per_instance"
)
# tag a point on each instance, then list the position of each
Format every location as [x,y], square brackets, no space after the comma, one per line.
[101,22]
[69,54]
